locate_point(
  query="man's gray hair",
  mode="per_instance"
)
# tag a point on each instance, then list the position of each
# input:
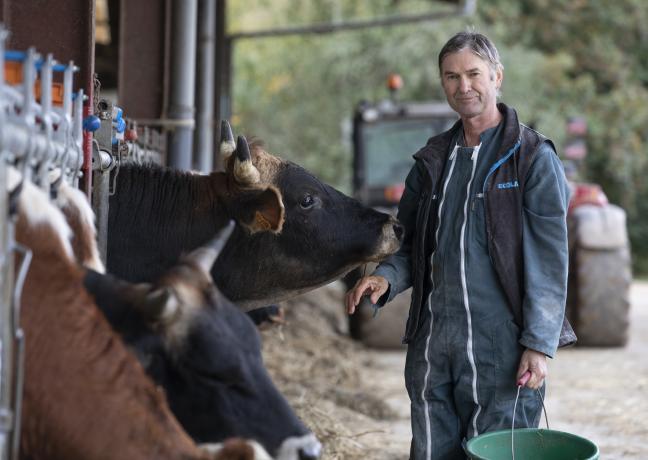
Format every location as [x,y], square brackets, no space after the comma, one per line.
[477,43]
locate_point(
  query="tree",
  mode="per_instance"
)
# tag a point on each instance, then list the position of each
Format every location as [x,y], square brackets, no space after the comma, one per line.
[562,58]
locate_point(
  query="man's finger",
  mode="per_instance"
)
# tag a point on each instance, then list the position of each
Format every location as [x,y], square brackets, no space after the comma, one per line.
[350,302]
[375,296]
[359,292]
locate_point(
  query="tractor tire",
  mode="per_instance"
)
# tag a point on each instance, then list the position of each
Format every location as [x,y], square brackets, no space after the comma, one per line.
[600,309]
[385,329]
[599,275]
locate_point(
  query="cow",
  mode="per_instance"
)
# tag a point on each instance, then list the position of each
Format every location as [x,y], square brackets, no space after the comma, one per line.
[205,352]
[85,395]
[78,214]
[295,233]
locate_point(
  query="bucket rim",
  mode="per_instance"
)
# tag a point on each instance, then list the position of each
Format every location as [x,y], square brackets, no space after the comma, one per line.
[507,433]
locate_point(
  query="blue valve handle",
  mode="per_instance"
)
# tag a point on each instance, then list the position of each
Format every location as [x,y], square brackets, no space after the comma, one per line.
[120,125]
[91,123]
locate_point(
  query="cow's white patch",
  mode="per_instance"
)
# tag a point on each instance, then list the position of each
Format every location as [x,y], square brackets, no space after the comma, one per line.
[69,196]
[259,452]
[388,244]
[35,206]
[290,448]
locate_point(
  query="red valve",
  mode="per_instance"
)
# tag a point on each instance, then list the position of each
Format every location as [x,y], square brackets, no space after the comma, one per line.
[130,134]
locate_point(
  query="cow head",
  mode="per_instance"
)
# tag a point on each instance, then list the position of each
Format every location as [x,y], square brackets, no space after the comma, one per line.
[206,354]
[323,233]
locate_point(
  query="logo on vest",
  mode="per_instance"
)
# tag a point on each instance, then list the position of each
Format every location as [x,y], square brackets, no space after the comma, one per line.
[505,185]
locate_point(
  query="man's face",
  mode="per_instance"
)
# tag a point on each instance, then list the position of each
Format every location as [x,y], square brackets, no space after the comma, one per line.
[469,83]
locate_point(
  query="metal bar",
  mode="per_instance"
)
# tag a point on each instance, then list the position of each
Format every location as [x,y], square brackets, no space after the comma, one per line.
[6,336]
[6,285]
[19,338]
[100,196]
[222,69]
[21,141]
[330,27]
[203,135]
[183,70]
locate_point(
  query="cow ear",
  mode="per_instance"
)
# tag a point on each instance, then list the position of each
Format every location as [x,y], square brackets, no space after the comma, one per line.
[261,210]
[154,304]
[160,304]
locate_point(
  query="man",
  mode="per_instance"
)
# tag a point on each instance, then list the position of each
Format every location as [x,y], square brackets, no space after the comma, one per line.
[485,250]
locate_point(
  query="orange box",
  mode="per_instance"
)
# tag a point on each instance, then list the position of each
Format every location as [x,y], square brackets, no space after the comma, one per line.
[14,76]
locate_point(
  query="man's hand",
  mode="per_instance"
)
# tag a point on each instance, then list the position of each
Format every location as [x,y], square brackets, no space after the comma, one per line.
[375,286]
[536,363]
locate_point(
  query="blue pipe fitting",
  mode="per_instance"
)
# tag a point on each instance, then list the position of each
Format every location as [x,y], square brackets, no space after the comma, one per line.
[91,123]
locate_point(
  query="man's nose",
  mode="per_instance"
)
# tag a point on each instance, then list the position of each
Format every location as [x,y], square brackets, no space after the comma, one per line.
[464,84]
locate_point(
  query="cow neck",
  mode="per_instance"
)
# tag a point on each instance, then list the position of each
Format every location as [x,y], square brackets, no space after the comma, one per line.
[168,200]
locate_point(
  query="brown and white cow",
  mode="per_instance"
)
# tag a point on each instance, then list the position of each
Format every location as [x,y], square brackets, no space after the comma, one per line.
[85,395]
[295,233]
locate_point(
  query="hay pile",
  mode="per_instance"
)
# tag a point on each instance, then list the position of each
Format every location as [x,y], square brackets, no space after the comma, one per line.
[319,370]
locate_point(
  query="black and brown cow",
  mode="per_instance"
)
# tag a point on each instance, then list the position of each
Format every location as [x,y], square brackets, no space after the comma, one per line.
[205,353]
[295,233]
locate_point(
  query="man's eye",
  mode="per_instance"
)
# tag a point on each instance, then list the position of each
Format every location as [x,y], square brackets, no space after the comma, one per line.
[307,201]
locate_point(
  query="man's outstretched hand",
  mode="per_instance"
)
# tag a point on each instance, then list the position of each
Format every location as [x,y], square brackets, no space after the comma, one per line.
[375,286]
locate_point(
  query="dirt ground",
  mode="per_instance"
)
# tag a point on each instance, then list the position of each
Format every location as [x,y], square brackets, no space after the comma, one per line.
[354,399]
[602,394]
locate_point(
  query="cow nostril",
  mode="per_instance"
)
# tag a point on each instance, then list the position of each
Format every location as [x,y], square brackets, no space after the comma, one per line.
[308,454]
[398,231]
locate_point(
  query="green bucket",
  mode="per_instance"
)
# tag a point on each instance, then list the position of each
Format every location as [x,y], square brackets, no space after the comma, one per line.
[531,444]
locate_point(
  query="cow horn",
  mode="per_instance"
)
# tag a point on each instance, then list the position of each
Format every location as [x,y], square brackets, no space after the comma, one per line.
[227,144]
[244,170]
[206,255]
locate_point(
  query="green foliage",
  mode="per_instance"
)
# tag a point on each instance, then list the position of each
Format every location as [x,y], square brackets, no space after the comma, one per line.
[562,58]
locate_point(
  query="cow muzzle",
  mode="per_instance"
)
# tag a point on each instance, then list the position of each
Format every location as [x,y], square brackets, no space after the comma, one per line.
[300,448]
[390,240]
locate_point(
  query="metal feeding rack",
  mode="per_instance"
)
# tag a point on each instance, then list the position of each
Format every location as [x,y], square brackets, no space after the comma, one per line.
[40,130]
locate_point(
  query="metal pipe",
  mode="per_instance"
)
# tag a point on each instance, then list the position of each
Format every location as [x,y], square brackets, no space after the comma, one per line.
[331,27]
[223,69]
[203,135]
[6,284]
[183,70]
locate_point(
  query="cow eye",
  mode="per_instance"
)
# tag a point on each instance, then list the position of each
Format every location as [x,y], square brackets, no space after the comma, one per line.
[307,201]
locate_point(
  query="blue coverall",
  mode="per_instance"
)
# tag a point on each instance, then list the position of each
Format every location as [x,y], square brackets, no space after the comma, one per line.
[461,365]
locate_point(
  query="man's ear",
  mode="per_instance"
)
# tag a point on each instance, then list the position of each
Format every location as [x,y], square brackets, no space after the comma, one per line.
[260,210]
[499,78]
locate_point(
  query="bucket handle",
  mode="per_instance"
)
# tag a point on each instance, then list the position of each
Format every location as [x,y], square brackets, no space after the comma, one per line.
[520,383]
